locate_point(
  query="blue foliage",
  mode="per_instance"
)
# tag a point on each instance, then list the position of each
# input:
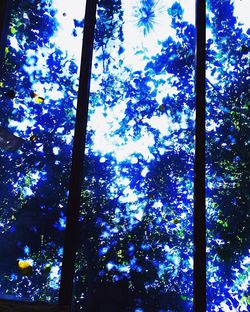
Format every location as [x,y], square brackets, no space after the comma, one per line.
[136,228]
[34,181]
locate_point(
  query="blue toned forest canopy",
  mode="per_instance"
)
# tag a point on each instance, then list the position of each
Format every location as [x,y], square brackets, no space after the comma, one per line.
[136,219]
[228,199]
[38,90]
[136,216]
[137,202]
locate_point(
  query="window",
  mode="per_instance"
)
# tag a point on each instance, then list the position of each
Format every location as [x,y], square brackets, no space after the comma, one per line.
[39,84]
[137,199]
[134,212]
[227,100]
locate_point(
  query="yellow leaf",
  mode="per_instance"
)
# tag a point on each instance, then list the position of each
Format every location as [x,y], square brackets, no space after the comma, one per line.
[13,30]
[39,100]
[24,264]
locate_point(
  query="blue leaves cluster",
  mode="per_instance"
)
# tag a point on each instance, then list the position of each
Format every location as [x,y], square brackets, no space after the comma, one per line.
[34,179]
[227,163]
[137,206]
[137,197]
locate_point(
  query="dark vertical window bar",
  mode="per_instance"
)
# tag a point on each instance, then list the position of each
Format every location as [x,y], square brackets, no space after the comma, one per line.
[66,286]
[4,22]
[199,167]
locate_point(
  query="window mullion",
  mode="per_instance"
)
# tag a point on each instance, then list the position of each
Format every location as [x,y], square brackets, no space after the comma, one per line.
[199,178]
[68,265]
[4,23]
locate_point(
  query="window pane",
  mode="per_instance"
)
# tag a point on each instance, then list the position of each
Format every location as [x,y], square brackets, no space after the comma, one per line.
[227,155]
[38,88]
[136,249]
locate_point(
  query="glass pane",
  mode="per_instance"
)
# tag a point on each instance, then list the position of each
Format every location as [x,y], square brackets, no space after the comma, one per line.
[38,88]
[228,155]
[136,250]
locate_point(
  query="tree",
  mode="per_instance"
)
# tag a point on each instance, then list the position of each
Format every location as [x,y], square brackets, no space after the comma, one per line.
[137,201]
[227,157]
[42,77]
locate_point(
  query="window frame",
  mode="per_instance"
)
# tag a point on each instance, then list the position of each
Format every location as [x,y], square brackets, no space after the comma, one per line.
[70,241]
